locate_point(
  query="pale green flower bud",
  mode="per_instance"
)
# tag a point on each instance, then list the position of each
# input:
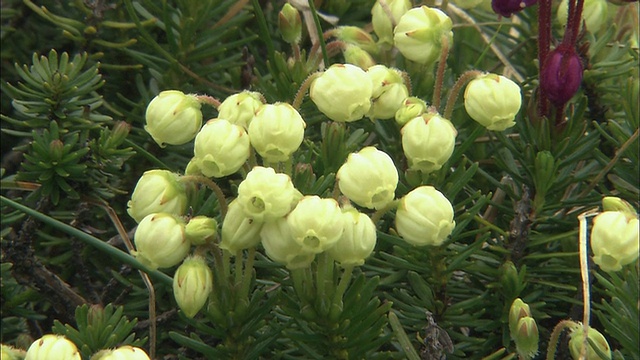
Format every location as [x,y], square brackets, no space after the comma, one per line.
[411,108]
[240,108]
[161,241]
[193,168]
[369,178]
[201,229]
[519,309]
[425,217]
[157,191]
[50,347]
[428,142]
[316,224]
[9,353]
[173,118]
[357,241]
[356,36]
[418,35]
[389,91]
[383,21]
[526,338]
[265,195]
[600,342]
[594,15]
[612,203]
[614,240]
[343,92]
[221,148]
[290,24]
[276,131]
[126,352]
[358,57]
[280,246]
[239,230]
[192,283]
[493,101]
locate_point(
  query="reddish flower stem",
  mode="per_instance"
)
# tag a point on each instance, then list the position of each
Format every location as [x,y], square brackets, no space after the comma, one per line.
[544,42]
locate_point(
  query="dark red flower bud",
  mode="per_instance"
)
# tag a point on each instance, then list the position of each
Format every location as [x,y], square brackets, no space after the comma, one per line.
[508,7]
[561,75]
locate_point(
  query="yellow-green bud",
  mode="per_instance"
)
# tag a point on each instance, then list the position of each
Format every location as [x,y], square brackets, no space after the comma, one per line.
[193,168]
[418,35]
[221,148]
[384,20]
[10,353]
[161,241]
[201,229]
[526,338]
[614,240]
[358,57]
[126,352]
[356,36]
[342,92]
[594,15]
[192,283]
[157,191]
[357,241]
[369,178]
[411,108]
[239,231]
[280,246]
[276,131]
[600,342]
[428,142]
[51,347]
[173,118]
[265,195]
[493,101]
[240,108]
[612,203]
[425,217]
[290,24]
[389,91]
[519,309]
[316,224]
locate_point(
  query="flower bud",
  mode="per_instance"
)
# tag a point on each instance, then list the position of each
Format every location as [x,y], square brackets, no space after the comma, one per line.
[612,203]
[411,108]
[280,246]
[316,224]
[511,282]
[526,338]
[119,133]
[384,18]
[342,92]
[614,240]
[493,101]
[358,57]
[369,178]
[595,337]
[508,7]
[9,353]
[276,131]
[594,14]
[173,118]
[221,148]
[357,241]
[561,75]
[290,24]
[161,241]
[425,217]
[192,283]
[51,347]
[157,191]
[126,352]
[519,310]
[239,231]
[389,91]
[418,35]
[356,36]
[56,150]
[428,142]
[265,195]
[240,108]
[201,229]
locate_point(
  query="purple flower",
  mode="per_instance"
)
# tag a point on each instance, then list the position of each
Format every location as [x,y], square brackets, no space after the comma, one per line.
[561,75]
[508,7]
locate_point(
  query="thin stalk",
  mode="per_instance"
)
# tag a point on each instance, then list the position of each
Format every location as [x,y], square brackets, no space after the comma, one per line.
[316,20]
[555,336]
[442,65]
[238,260]
[248,273]
[455,90]
[378,214]
[304,87]
[336,303]
[209,100]
[222,201]
[584,271]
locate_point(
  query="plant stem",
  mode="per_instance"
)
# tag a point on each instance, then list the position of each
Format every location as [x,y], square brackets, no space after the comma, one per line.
[455,90]
[555,336]
[211,185]
[544,42]
[306,84]
[442,64]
